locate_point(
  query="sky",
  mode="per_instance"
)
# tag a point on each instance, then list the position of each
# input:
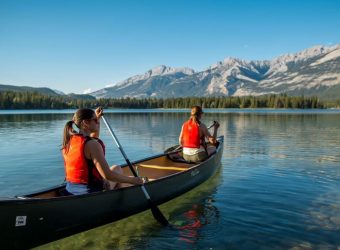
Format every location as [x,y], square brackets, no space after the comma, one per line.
[81,45]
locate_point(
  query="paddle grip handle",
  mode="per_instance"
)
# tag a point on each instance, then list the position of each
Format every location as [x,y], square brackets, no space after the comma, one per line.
[212,125]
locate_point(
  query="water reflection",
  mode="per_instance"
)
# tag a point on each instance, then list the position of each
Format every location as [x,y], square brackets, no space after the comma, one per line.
[192,221]
[278,185]
[143,232]
[27,119]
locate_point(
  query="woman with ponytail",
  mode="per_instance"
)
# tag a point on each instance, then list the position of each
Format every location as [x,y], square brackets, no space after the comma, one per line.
[84,156]
[193,135]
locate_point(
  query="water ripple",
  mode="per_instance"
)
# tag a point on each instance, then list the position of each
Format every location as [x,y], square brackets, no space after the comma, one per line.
[278,187]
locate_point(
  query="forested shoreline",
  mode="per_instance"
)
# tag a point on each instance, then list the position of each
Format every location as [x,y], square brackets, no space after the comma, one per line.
[35,100]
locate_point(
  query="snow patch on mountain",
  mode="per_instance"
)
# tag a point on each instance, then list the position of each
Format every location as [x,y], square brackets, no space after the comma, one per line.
[331,56]
[87,91]
[242,77]
[216,87]
[328,80]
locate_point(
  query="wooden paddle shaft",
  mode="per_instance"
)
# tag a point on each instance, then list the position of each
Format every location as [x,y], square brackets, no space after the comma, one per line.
[125,156]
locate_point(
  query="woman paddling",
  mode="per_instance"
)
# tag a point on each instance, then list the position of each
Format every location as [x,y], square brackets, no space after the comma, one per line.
[192,137]
[85,165]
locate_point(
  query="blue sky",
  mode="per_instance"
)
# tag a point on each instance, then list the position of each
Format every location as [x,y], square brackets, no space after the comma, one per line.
[77,45]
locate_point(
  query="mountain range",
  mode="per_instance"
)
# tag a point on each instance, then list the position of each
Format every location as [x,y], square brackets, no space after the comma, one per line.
[314,71]
[311,72]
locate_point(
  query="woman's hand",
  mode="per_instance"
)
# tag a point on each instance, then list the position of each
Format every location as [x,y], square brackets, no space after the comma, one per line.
[99,112]
[136,180]
[212,140]
[216,125]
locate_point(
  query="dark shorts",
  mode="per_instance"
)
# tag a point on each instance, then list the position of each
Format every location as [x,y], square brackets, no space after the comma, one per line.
[76,189]
[201,156]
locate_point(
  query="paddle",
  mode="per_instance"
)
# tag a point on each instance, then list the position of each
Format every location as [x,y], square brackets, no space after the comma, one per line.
[212,125]
[157,214]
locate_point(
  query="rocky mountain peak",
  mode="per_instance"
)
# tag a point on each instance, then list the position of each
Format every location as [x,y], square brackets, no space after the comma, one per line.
[313,70]
[163,70]
[305,54]
[228,62]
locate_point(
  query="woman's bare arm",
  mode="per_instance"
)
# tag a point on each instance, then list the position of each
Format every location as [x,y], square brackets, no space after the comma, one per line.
[94,151]
[206,133]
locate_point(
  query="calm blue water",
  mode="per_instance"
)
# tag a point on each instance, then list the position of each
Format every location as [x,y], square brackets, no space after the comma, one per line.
[278,185]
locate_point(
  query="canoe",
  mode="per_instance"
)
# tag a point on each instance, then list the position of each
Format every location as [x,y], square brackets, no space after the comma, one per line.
[34,219]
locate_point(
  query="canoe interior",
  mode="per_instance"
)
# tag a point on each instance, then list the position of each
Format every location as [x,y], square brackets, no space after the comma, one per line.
[158,167]
[153,168]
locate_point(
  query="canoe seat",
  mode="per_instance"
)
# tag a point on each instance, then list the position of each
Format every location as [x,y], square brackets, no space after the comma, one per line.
[159,167]
[163,167]
[176,157]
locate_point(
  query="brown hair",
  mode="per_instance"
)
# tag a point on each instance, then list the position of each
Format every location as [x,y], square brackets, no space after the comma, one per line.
[196,111]
[79,116]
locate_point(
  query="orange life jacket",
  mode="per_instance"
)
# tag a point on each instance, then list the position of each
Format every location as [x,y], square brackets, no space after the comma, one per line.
[191,134]
[78,169]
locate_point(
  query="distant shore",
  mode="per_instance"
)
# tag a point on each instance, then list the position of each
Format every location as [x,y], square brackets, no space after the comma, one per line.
[33,100]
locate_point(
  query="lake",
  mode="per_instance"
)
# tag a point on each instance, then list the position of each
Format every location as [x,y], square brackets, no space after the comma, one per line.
[278,185]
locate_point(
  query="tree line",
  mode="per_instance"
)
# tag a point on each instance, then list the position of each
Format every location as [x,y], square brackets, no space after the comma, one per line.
[35,100]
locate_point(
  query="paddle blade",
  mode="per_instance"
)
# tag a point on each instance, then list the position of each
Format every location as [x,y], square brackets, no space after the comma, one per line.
[157,214]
